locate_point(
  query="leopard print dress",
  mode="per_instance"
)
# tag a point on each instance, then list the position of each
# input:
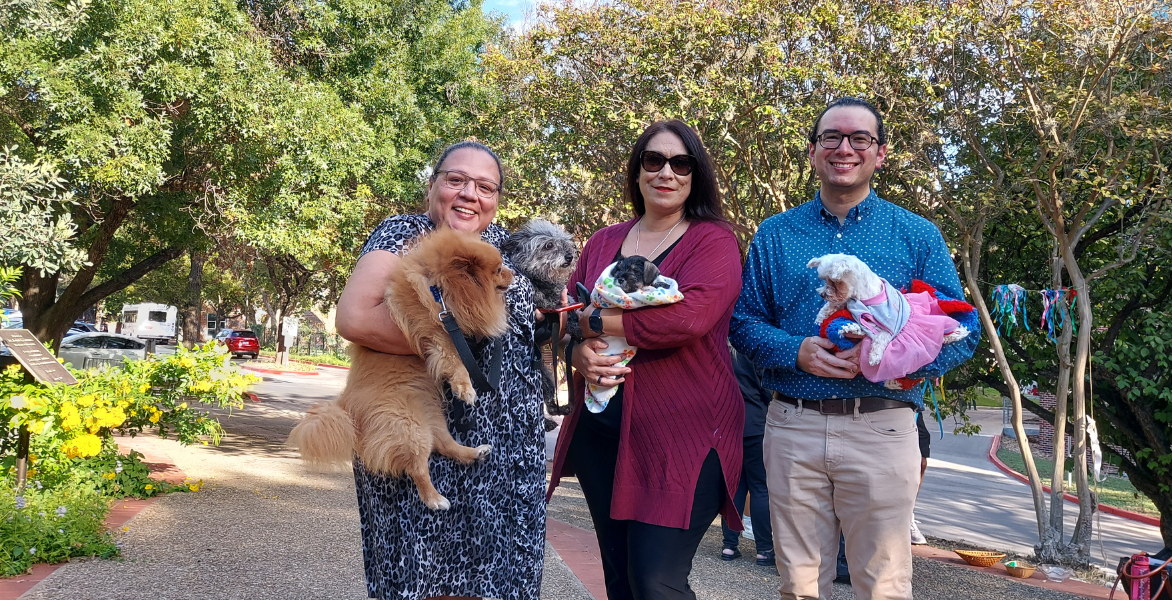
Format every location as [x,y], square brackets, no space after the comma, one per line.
[491,543]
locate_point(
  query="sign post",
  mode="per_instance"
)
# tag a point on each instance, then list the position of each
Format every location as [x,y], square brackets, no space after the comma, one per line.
[42,366]
[288,337]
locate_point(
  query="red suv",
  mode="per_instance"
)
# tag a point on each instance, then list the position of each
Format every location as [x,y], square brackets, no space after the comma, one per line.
[240,342]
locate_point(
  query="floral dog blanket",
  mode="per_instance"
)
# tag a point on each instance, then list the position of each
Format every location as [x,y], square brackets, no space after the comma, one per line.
[606,294]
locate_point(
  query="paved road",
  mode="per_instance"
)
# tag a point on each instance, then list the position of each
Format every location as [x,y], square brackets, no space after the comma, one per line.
[965,497]
[264,527]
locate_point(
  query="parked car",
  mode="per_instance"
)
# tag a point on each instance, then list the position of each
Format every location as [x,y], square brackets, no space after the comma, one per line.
[81,327]
[86,350]
[240,342]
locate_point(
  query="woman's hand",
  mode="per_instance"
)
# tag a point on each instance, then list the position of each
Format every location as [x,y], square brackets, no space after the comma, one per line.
[598,369]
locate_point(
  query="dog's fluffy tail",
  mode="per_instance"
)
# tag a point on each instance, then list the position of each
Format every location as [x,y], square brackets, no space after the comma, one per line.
[325,437]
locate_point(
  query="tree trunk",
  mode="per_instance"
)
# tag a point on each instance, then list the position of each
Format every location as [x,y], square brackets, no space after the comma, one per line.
[191,310]
[1061,402]
[971,252]
[1087,504]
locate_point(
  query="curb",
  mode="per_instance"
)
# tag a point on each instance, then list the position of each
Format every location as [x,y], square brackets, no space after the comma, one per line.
[327,365]
[1111,510]
[121,511]
[277,371]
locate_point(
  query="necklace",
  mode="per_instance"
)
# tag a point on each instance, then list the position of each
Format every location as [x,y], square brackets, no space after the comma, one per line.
[652,257]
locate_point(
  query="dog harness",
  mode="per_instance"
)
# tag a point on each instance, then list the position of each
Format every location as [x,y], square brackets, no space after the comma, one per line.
[482,383]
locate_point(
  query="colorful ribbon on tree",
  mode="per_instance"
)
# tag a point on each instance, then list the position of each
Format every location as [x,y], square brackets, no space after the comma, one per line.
[1057,311]
[1007,301]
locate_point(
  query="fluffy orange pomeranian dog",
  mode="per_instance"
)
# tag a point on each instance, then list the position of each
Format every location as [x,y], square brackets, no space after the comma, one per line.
[391,412]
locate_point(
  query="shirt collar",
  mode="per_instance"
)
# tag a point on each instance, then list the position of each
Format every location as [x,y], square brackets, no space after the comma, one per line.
[862,209]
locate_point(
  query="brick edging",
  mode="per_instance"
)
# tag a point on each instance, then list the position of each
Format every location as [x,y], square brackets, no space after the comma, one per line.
[1111,510]
[122,510]
[1038,579]
[276,371]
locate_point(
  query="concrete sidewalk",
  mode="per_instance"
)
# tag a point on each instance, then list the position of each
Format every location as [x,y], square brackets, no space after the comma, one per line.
[264,527]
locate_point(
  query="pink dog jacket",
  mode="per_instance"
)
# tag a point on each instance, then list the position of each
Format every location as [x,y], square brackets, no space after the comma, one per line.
[915,344]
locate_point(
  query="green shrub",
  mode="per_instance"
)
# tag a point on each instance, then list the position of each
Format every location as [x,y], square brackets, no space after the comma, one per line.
[51,525]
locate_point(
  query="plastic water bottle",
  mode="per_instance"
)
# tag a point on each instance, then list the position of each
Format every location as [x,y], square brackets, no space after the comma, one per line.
[1140,588]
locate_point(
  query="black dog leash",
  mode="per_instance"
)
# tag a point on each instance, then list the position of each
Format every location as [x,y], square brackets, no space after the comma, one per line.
[483,384]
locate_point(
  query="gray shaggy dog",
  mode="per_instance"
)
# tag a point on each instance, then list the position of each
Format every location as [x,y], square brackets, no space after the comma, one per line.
[545,254]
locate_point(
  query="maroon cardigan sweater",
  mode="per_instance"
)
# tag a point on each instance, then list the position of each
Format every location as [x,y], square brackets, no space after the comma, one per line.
[681,398]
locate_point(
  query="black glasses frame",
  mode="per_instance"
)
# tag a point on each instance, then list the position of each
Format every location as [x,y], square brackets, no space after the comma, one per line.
[871,140]
[477,183]
[653,162]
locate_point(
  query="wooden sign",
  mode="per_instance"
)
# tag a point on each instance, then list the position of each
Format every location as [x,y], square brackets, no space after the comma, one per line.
[35,357]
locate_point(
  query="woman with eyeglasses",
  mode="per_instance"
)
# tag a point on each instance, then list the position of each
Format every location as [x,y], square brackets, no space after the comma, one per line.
[663,458]
[491,542]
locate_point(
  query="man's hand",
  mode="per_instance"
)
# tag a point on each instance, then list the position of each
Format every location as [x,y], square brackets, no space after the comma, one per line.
[815,358]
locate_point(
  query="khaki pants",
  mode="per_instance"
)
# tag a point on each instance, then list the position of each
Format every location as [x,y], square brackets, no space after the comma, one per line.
[854,473]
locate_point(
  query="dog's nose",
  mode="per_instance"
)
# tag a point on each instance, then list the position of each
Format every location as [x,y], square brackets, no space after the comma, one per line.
[569,257]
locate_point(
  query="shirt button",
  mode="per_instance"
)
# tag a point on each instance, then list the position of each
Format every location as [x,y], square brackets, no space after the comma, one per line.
[839,235]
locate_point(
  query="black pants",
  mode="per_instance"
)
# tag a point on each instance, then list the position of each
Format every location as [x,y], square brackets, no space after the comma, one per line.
[641,561]
[753,483]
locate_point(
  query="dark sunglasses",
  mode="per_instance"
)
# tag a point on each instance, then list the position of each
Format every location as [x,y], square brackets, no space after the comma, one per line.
[681,164]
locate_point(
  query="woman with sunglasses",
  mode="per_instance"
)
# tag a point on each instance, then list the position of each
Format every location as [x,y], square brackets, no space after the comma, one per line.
[663,458]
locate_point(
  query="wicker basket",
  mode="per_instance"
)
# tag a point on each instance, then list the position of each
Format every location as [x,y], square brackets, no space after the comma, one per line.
[1021,570]
[980,558]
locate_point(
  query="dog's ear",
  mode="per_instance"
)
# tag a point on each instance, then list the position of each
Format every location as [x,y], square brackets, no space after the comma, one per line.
[509,245]
[650,272]
[837,269]
[814,262]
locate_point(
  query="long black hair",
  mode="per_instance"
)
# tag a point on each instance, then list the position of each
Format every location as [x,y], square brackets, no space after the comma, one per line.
[704,203]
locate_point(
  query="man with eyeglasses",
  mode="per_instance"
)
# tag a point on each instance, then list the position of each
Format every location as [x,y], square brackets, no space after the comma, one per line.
[841,453]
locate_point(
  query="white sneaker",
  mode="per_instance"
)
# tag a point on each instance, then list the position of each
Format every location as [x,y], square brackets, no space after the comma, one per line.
[917,537]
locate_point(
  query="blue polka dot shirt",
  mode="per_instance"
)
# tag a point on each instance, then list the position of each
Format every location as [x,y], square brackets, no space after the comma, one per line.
[779,297]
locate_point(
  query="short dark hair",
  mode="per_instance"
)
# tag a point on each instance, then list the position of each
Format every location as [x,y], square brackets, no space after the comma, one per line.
[704,203]
[881,135]
[474,145]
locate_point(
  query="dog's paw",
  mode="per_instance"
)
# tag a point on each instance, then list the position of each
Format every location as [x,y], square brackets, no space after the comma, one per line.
[853,329]
[483,451]
[957,334]
[438,503]
[464,391]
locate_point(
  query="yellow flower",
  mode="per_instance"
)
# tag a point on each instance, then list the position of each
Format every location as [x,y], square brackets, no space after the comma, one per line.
[148,487]
[109,476]
[86,400]
[86,444]
[31,472]
[155,418]
[69,417]
[202,386]
[142,389]
[183,406]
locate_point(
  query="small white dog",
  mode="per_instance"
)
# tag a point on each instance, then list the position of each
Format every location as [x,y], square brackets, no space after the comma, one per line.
[847,283]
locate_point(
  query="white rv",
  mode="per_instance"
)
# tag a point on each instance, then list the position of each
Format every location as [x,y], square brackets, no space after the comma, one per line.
[149,321]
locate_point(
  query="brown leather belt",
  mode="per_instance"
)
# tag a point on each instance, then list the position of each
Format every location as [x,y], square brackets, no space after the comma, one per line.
[845,406]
